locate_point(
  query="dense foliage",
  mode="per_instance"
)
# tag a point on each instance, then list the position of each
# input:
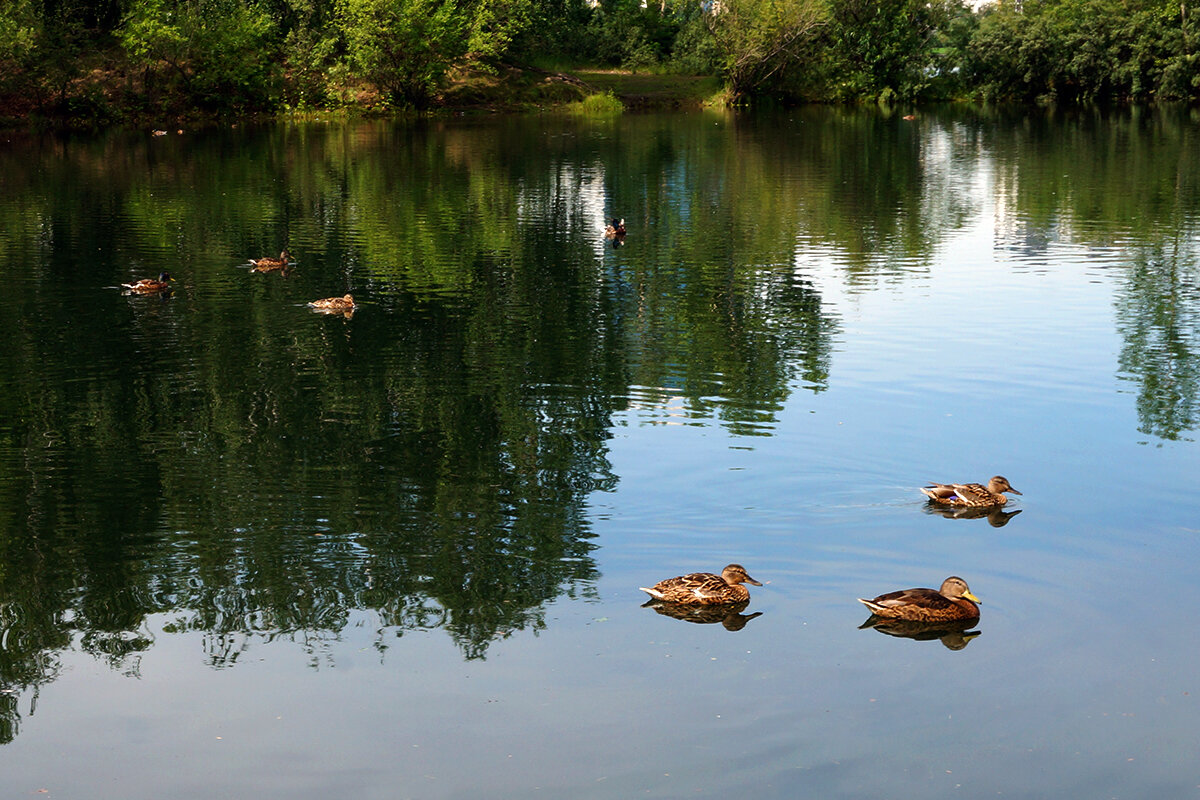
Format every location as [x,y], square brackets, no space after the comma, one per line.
[95,58]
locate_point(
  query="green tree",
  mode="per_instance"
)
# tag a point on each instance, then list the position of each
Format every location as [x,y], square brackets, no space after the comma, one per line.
[1084,51]
[41,54]
[405,47]
[759,39]
[882,48]
[219,55]
[19,34]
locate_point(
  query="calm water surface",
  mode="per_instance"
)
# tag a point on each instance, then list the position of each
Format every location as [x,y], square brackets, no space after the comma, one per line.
[247,550]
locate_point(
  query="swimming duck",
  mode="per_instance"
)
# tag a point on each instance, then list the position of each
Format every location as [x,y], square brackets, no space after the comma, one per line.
[268,264]
[344,303]
[615,229]
[970,494]
[149,285]
[704,588]
[953,601]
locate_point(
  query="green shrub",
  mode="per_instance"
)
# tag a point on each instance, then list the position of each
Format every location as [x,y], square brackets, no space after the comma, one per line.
[309,62]
[601,104]
[217,55]
[404,47]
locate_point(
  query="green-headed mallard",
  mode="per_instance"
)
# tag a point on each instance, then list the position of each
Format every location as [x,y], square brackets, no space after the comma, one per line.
[338,304]
[615,229]
[149,285]
[953,601]
[704,588]
[269,264]
[970,494]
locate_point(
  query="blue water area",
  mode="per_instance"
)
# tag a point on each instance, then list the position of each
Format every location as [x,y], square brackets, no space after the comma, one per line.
[247,549]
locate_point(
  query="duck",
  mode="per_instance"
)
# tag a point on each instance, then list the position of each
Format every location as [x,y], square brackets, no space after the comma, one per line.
[269,264]
[951,602]
[704,588]
[150,285]
[970,494]
[615,229]
[343,303]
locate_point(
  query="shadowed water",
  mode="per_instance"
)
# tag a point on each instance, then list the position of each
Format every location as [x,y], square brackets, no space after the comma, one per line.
[246,548]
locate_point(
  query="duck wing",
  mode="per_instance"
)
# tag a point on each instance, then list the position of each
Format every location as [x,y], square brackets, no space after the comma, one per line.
[940,492]
[921,598]
[967,494]
[694,587]
[974,494]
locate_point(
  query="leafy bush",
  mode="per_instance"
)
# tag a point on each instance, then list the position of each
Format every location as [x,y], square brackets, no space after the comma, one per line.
[20,32]
[218,55]
[309,61]
[884,48]
[600,104]
[404,47]
[1085,51]
[694,51]
[760,40]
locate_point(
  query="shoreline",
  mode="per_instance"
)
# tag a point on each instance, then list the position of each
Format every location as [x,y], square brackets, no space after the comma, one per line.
[102,100]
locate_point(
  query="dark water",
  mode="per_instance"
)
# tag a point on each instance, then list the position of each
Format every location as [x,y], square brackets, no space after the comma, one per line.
[247,550]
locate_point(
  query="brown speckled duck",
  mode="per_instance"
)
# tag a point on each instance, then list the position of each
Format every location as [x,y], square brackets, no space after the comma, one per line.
[338,304]
[704,588]
[953,601]
[150,285]
[269,264]
[970,494]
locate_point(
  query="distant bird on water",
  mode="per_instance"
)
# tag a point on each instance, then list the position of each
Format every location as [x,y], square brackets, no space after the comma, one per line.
[615,229]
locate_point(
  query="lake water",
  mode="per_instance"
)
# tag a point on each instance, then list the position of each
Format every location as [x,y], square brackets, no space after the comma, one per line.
[248,550]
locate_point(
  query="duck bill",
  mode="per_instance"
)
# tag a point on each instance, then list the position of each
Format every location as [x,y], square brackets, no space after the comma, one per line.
[1014,491]
[751,581]
[972,598]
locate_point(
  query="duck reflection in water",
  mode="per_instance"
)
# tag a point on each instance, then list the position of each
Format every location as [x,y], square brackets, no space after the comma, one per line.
[729,615]
[996,516]
[954,634]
